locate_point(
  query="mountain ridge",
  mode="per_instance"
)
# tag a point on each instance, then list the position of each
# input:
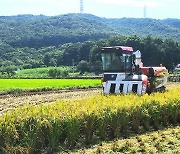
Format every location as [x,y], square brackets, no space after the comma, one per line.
[37,31]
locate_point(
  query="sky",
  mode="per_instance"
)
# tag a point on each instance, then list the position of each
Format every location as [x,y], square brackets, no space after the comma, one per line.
[157,9]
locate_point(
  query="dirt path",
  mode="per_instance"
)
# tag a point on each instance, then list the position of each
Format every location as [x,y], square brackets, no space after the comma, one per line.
[9,102]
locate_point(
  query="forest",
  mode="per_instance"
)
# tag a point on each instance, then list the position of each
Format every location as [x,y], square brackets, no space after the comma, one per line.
[28,41]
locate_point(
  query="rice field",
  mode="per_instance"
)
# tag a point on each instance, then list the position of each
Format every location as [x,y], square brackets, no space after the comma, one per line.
[67,125]
[27,84]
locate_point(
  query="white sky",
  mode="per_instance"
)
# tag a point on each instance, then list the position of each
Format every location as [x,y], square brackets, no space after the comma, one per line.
[158,9]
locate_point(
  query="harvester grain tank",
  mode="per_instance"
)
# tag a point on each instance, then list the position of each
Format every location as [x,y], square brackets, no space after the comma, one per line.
[124,72]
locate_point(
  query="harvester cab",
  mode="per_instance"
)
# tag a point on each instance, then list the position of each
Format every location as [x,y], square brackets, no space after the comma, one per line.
[124,73]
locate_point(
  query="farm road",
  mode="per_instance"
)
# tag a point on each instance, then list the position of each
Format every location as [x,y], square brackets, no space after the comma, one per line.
[9,102]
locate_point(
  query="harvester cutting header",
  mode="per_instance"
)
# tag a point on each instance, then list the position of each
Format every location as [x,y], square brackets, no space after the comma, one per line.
[124,72]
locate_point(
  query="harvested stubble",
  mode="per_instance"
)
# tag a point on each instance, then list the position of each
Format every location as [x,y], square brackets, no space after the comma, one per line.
[161,141]
[69,124]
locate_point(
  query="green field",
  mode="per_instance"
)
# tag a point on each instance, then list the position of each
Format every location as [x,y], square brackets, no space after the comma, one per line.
[39,72]
[27,84]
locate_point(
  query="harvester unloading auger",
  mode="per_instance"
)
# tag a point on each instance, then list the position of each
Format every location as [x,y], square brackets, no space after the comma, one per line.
[124,72]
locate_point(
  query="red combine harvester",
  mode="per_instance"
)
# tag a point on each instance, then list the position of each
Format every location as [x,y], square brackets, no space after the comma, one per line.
[124,72]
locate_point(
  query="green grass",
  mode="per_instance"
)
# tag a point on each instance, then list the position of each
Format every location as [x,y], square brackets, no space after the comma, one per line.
[27,84]
[38,72]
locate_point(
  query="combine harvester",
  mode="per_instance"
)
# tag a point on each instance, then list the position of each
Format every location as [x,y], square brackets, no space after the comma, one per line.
[124,72]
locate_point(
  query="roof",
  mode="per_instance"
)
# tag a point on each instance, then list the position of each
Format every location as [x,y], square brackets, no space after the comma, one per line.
[124,48]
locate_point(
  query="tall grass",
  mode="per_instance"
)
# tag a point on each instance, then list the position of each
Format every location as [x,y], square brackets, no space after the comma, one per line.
[69,124]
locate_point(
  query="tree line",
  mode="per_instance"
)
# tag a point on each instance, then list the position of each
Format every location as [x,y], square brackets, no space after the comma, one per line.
[155,51]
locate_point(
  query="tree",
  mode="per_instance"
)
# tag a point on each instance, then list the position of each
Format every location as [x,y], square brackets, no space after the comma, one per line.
[47,59]
[11,71]
[8,71]
[54,72]
[83,66]
[96,67]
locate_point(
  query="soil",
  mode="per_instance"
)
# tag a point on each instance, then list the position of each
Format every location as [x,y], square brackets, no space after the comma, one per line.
[9,102]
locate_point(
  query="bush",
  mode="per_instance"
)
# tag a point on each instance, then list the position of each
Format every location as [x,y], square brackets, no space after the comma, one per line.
[8,71]
[83,66]
[55,73]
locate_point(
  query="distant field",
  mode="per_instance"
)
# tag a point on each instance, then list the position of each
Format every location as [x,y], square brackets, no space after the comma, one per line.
[26,84]
[38,72]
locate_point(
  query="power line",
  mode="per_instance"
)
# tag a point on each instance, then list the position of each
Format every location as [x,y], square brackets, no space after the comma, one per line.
[81,6]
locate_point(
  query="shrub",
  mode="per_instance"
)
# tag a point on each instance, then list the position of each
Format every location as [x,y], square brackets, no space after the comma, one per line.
[55,73]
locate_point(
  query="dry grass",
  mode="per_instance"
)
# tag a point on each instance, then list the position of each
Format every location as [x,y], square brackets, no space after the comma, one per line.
[162,141]
[10,102]
[87,121]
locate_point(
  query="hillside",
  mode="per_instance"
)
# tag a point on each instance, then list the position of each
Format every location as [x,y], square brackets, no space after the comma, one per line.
[28,41]
[39,31]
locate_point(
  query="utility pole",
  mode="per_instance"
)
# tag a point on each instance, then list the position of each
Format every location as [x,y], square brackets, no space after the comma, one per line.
[81,6]
[73,65]
[145,10]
